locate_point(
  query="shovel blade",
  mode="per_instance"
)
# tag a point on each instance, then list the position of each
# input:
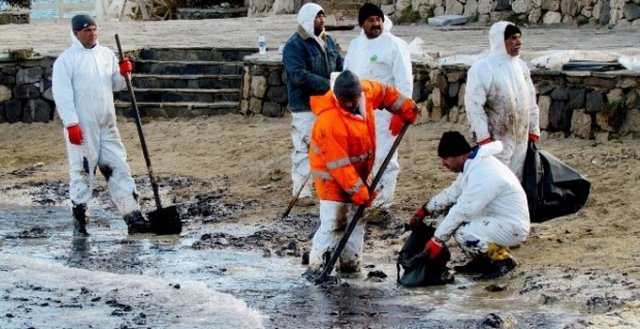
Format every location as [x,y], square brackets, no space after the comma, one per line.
[165,221]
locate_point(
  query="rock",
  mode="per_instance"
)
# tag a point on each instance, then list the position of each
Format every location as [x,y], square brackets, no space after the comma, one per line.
[5,93]
[581,123]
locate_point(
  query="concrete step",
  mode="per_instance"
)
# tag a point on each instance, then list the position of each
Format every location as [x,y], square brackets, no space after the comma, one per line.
[178,109]
[197,54]
[191,81]
[181,95]
[151,66]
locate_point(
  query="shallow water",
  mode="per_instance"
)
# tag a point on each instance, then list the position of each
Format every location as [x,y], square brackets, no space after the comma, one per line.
[271,285]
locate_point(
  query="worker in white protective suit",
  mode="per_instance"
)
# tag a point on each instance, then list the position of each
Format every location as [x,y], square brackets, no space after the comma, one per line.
[500,98]
[309,57]
[84,79]
[376,54]
[487,208]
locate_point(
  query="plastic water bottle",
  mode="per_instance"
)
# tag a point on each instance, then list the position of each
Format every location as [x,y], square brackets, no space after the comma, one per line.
[262,44]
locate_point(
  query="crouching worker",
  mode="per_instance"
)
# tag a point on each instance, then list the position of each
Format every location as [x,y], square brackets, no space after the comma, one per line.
[341,154]
[488,208]
[84,79]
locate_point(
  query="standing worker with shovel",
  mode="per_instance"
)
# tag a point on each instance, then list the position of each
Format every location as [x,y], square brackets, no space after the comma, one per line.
[84,78]
[341,154]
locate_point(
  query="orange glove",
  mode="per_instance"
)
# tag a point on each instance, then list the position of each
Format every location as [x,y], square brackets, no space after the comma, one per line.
[533,137]
[361,196]
[396,124]
[420,214]
[485,141]
[125,67]
[75,134]
[433,248]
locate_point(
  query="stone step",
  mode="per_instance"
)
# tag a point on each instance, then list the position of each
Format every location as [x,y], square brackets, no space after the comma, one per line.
[152,66]
[181,95]
[179,109]
[191,81]
[197,54]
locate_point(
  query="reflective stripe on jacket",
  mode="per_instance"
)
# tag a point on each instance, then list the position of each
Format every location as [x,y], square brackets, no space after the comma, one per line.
[343,144]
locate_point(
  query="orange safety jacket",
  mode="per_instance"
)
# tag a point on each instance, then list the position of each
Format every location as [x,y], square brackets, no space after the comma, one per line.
[343,145]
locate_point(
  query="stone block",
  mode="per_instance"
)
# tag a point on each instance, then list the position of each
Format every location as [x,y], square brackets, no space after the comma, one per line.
[544,104]
[485,6]
[5,93]
[576,97]
[633,100]
[272,110]
[560,94]
[632,123]
[470,8]
[27,91]
[631,11]
[569,7]
[615,95]
[13,111]
[551,17]
[594,101]
[277,95]
[454,88]
[626,83]
[581,123]
[559,116]
[258,86]
[255,106]
[522,6]
[454,8]
[274,79]
[461,94]
[550,5]
[38,110]
[29,75]
[503,5]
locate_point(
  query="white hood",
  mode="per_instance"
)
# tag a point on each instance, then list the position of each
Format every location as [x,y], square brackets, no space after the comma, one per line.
[307,15]
[496,37]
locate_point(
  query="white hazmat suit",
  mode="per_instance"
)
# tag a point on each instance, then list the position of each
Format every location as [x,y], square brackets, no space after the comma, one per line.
[488,205]
[385,59]
[83,84]
[500,101]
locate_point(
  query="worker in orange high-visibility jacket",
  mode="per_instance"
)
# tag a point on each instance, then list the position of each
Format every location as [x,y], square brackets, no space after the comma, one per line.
[342,153]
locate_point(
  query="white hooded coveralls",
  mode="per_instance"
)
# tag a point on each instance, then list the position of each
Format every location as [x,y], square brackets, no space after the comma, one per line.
[500,101]
[488,205]
[83,84]
[385,59]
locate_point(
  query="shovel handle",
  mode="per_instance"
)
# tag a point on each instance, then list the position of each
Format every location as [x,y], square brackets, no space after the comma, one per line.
[143,143]
[328,267]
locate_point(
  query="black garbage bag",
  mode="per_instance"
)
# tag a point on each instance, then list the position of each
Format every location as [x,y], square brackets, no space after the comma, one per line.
[553,188]
[419,270]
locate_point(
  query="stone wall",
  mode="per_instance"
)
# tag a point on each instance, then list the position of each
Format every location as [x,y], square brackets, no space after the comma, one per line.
[25,91]
[588,105]
[618,13]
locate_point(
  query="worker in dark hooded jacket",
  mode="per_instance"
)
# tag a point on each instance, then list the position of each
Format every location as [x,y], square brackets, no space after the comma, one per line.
[500,98]
[342,154]
[309,57]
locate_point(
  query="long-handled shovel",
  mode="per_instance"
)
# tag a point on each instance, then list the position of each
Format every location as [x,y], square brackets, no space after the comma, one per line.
[328,267]
[295,198]
[163,220]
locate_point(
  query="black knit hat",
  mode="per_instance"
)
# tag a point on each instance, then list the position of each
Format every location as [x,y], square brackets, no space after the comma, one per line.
[79,22]
[453,144]
[367,10]
[511,30]
[347,85]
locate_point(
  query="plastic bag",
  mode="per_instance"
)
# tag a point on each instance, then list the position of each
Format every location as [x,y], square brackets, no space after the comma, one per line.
[417,270]
[553,188]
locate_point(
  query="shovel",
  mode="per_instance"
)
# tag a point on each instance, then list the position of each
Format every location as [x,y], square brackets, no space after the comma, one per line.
[163,220]
[328,267]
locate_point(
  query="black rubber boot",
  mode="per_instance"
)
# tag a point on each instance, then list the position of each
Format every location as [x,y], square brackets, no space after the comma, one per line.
[136,223]
[477,265]
[79,220]
[498,268]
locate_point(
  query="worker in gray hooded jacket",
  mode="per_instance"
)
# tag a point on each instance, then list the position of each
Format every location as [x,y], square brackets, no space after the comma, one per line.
[500,98]
[84,79]
[309,57]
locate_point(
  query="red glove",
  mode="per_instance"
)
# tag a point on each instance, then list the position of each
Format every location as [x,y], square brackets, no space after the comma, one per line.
[485,141]
[533,137]
[125,67]
[361,196]
[433,248]
[75,134]
[396,124]
[420,214]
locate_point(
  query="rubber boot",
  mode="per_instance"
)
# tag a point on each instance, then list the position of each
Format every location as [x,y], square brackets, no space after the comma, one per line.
[79,212]
[136,223]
